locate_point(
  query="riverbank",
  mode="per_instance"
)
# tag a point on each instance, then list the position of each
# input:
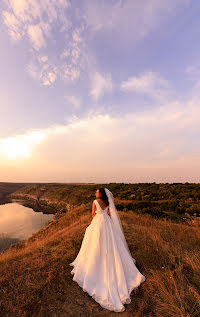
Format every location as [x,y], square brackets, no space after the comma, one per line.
[176,202]
[51,197]
[7,188]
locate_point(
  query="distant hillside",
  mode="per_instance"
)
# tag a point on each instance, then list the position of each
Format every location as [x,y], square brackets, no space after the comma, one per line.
[176,201]
[35,277]
[54,196]
[7,188]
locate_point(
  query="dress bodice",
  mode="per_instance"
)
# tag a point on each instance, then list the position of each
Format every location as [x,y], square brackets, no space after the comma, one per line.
[99,210]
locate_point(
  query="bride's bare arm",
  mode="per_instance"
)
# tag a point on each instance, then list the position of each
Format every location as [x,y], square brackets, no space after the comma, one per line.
[93,209]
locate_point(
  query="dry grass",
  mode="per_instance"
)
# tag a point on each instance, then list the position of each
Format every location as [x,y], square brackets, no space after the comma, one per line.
[35,279]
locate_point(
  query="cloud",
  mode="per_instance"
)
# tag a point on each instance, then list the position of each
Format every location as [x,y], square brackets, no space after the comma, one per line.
[193,71]
[73,56]
[39,22]
[14,26]
[154,138]
[24,14]
[74,101]
[70,73]
[50,78]
[139,16]
[100,84]
[42,58]
[42,70]
[20,146]
[65,53]
[36,36]
[147,145]
[150,83]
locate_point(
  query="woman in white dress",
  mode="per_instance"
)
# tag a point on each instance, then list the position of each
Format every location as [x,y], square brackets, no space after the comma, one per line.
[104,267]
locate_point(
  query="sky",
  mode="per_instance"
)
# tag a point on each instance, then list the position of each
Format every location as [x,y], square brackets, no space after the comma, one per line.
[100,91]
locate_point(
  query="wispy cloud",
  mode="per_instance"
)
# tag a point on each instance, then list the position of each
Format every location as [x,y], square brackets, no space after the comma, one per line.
[165,138]
[36,36]
[37,21]
[192,72]
[150,83]
[148,137]
[139,16]
[42,70]
[73,100]
[21,15]
[100,84]
[14,25]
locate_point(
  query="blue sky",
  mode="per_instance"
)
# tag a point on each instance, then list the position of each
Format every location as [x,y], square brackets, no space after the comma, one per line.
[100,91]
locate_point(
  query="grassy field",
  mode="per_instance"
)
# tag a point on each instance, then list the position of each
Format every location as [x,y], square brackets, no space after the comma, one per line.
[35,277]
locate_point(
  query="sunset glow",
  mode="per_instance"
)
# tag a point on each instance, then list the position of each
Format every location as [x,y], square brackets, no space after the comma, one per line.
[20,146]
[100,91]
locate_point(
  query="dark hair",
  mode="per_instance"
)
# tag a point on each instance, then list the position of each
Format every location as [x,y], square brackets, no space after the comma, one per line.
[104,196]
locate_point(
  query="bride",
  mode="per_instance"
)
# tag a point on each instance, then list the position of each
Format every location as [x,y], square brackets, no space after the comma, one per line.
[104,266]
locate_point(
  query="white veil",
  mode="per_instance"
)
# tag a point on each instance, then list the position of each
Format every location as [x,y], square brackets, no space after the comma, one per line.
[116,220]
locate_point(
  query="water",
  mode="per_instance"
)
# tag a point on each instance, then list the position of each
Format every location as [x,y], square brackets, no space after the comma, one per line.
[18,222]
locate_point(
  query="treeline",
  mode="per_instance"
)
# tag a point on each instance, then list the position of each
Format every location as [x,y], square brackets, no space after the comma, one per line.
[170,209]
[154,191]
[171,201]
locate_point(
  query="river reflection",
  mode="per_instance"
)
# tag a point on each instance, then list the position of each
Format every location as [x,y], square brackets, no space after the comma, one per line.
[18,222]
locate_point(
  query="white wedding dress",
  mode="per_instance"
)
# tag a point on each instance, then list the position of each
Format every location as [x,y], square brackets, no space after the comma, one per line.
[103,266]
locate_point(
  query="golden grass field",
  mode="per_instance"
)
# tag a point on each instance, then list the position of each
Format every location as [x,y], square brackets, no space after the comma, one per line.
[35,277]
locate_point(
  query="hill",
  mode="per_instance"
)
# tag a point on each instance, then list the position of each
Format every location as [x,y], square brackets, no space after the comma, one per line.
[175,201]
[7,188]
[35,277]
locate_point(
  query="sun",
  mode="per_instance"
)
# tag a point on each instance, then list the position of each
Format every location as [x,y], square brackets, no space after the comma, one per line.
[20,146]
[13,148]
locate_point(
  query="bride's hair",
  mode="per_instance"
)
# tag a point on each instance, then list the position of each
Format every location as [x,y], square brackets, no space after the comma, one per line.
[104,196]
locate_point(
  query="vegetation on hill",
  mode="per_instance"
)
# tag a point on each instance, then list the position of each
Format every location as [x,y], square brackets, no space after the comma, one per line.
[7,188]
[176,201]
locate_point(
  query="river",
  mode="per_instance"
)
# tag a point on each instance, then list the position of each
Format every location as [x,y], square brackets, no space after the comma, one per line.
[18,222]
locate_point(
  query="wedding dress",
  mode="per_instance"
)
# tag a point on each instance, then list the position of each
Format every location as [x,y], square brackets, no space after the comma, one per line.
[104,267]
